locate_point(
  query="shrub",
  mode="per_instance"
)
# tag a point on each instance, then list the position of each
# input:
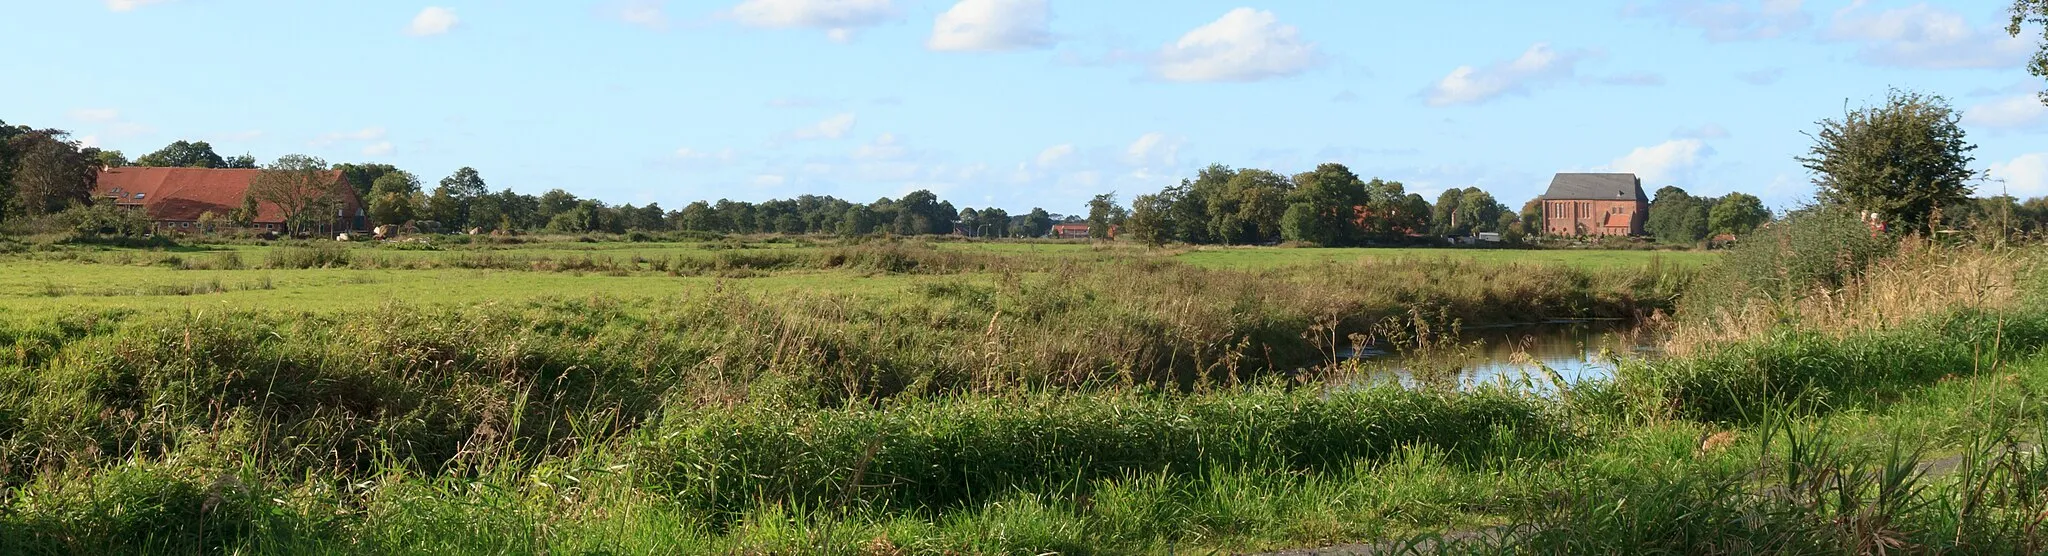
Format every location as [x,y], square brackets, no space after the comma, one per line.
[1812,251]
[311,255]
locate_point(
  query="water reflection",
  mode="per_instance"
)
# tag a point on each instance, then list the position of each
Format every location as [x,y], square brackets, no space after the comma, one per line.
[1576,351]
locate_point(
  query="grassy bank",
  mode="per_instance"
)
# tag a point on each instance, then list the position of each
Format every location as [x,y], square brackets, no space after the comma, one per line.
[1082,402]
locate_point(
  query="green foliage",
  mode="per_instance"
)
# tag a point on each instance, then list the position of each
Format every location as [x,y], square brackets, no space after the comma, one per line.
[1103,213]
[2033,12]
[1810,252]
[1904,160]
[1676,217]
[105,219]
[302,188]
[1737,214]
[186,154]
[317,254]
[49,172]
[1323,209]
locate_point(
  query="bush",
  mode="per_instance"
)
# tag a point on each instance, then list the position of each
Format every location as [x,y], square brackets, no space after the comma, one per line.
[311,255]
[1814,250]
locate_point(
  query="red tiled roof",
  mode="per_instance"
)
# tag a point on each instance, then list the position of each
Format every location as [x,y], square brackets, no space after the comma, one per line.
[182,194]
[1617,221]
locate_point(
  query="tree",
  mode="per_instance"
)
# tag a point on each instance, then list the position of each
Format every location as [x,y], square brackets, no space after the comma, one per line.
[49,173]
[1151,218]
[244,162]
[2035,12]
[453,199]
[302,188]
[696,217]
[1676,217]
[1532,217]
[392,197]
[183,154]
[1737,214]
[363,177]
[1478,212]
[995,222]
[1036,224]
[244,216]
[1248,208]
[1902,161]
[1104,213]
[113,159]
[1324,206]
[1444,218]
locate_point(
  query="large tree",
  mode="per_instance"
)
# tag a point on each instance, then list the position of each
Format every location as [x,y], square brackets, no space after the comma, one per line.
[363,177]
[184,154]
[1104,213]
[452,201]
[1737,214]
[1478,211]
[2035,12]
[1676,217]
[50,172]
[1903,160]
[394,197]
[302,188]
[1324,206]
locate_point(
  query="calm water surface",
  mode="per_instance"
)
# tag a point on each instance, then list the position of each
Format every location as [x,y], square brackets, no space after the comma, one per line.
[1575,350]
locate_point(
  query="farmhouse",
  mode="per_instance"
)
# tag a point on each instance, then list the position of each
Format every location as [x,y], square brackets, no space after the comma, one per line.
[175,198]
[1070,230]
[1595,205]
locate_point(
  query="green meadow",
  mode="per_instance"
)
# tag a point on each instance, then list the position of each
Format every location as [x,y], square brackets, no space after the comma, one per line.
[799,396]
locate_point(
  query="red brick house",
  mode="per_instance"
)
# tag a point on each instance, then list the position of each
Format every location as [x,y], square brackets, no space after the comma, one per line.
[175,198]
[1070,230]
[1595,205]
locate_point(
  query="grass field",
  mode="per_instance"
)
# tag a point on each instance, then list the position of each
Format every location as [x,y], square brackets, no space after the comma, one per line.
[893,397]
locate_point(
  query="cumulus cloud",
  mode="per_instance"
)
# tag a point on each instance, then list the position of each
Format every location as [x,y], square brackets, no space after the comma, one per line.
[2013,112]
[1244,45]
[1732,20]
[652,14]
[1056,155]
[96,115]
[1664,163]
[379,148]
[687,153]
[365,134]
[2023,177]
[1153,149]
[434,20]
[1927,37]
[838,18]
[1762,76]
[129,5]
[884,147]
[830,128]
[992,25]
[1709,131]
[1539,65]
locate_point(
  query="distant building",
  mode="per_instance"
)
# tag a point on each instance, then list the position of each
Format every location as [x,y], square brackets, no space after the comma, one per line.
[1070,230]
[1595,205]
[175,198]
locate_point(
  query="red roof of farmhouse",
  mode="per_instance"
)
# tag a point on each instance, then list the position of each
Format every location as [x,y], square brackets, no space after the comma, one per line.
[182,194]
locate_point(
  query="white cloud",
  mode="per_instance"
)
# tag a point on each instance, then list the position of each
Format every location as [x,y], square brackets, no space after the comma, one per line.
[89,141]
[831,128]
[1055,155]
[380,148]
[770,180]
[1664,163]
[129,5]
[1153,149]
[365,134]
[992,25]
[96,115]
[434,20]
[1762,77]
[651,14]
[1243,45]
[1539,65]
[722,155]
[2013,112]
[1732,20]
[884,147]
[839,18]
[1709,131]
[2025,176]
[1924,36]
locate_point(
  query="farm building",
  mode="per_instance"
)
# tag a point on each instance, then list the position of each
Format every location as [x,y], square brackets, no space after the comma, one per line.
[1595,205]
[1070,230]
[176,198]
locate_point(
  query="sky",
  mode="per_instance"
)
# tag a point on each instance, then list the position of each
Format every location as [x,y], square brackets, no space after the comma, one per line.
[1019,103]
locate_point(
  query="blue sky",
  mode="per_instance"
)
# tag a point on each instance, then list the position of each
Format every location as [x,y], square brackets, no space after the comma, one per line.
[1016,103]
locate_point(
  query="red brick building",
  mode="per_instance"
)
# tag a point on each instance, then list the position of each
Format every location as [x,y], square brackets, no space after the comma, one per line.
[1595,205]
[175,198]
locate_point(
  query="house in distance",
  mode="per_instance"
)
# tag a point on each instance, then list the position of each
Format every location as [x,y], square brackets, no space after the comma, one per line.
[1595,205]
[175,198]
